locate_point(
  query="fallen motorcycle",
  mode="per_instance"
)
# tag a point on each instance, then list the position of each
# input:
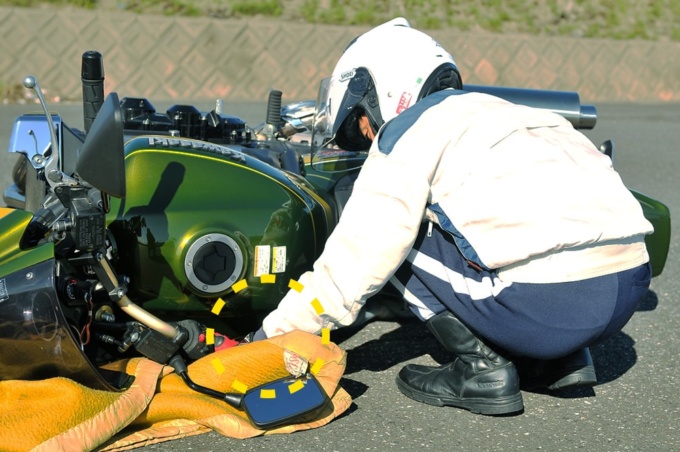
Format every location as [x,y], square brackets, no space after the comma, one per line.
[148,233]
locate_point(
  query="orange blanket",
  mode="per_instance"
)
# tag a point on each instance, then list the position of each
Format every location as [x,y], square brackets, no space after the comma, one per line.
[59,414]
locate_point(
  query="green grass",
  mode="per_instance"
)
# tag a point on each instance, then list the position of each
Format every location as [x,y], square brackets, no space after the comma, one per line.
[273,8]
[615,19]
[28,3]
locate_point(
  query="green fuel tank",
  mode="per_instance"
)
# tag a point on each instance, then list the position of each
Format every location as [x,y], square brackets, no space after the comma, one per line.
[207,227]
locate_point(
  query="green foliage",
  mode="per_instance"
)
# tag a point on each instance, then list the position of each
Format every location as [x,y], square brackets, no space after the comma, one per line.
[89,4]
[618,19]
[166,7]
[272,8]
[313,12]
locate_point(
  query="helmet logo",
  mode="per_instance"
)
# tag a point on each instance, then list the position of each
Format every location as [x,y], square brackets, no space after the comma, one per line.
[404,102]
[346,76]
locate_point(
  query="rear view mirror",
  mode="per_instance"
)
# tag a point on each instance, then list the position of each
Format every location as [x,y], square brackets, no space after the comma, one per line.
[285,401]
[101,159]
[289,400]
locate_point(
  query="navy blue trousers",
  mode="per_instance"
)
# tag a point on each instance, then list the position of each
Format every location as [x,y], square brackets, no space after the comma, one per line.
[544,321]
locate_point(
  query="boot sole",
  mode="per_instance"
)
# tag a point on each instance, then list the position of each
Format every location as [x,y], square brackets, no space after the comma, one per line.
[497,406]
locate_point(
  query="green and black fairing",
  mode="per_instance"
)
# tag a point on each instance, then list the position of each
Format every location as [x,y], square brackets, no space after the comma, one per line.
[658,243]
[37,328]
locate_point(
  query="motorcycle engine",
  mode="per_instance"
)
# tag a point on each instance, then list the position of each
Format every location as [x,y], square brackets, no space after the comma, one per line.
[140,117]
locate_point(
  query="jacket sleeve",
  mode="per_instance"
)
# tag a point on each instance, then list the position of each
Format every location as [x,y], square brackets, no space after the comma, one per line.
[375,233]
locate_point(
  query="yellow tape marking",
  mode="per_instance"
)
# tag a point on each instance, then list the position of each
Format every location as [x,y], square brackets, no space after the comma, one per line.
[267,393]
[209,336]
[217,307]
[318,364]
[316,304]
[296,286]
[325,336]
[268,279]
[295,387]
[240,285]
[240,387]
[217,364]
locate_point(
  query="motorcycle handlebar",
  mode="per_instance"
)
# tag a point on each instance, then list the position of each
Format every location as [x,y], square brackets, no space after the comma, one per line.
[146,318]
[92,77]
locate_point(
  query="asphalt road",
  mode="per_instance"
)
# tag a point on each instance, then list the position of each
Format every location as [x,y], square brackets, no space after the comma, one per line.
[635,405]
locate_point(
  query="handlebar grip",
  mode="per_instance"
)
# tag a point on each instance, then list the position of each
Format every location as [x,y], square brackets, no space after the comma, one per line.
[274,108]
[92,76]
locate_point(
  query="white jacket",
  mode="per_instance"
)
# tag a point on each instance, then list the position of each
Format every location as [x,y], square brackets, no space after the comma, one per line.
[521,191]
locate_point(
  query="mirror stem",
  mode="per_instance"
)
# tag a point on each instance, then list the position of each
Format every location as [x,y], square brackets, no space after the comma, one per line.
[177,363]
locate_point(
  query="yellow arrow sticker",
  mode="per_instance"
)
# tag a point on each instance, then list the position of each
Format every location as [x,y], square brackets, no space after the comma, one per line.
[240,387]
[240,285]
[268,393]
[217,364]
[318,364]
[325,336]
[316,304]
[295,387]
[268,279]
[296,286]
[217,307]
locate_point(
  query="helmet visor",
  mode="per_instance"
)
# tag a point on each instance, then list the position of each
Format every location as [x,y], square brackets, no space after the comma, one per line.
[327,155]
[322,124]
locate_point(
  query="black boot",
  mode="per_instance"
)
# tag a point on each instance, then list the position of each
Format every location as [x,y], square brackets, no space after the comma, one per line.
[479,379]
[575,369]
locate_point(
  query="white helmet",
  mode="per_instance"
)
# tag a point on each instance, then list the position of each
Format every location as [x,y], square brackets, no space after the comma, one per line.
[381,73]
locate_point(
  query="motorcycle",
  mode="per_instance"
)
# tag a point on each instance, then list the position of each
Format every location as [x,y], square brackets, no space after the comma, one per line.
[147,232]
